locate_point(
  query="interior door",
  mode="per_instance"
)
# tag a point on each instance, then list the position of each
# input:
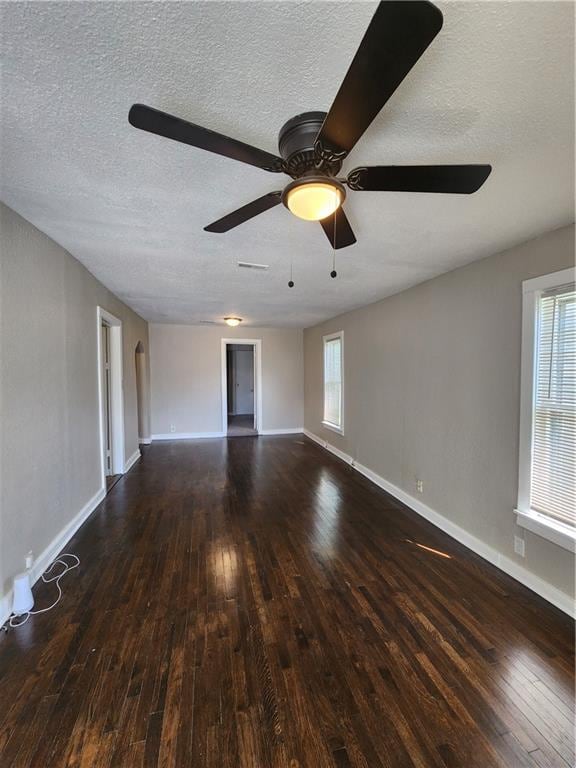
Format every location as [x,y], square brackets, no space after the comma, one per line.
[106,399]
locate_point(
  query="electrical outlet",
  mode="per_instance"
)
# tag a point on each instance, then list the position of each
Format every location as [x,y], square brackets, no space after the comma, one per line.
[420,486]
[172,428]
[519,546]
[29,560]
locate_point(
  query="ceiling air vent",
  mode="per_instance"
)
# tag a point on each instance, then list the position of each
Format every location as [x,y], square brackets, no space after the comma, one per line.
[252,265]
[208,322]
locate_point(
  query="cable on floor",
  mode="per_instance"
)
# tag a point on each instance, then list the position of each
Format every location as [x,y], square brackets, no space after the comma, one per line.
[48,579]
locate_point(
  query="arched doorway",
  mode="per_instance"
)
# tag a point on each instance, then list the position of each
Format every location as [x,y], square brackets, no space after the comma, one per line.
[142,394]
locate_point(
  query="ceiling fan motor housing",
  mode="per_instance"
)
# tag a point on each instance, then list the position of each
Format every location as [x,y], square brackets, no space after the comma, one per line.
[296,145]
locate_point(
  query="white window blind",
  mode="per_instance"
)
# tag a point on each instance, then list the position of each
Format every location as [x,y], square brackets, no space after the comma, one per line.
[333,381]
[552,487]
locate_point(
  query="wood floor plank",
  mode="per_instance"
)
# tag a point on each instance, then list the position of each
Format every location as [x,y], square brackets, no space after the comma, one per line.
[255,603]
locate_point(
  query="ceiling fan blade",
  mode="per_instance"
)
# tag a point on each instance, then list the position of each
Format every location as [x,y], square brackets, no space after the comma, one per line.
[397,36]
[339,232]
[245,213]
[163,124]
[450,179]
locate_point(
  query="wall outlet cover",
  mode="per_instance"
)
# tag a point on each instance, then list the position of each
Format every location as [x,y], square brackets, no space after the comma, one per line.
[519,546]
[420,486]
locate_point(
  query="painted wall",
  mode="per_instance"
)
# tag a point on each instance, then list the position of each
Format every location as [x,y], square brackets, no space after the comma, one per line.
[432,391]
[50,444]
[185,370]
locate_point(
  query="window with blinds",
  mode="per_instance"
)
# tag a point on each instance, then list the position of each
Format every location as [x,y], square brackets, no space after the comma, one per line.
[552,484]
[333,348]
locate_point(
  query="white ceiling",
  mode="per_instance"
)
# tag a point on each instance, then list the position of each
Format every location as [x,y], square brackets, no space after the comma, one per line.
[495,86]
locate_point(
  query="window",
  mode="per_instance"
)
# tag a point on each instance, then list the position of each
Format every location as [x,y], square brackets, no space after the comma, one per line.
[334,381]
[546,495]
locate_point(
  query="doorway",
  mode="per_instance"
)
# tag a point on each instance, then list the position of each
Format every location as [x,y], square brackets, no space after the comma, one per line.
[241,410]
[106,373]
[142,394]
[240,390]
[111,398]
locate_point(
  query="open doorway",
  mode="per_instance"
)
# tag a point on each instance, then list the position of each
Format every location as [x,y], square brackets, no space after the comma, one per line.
[106,375]
[240,390]
[240,387]
[110,397]
[141,395]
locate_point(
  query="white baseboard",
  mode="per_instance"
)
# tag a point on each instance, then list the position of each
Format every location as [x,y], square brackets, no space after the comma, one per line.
[5,608]
[329,447]
[55,546]
[132,460]
[187,435]
[550,593]
[144,440]
[199,435]
[289,431]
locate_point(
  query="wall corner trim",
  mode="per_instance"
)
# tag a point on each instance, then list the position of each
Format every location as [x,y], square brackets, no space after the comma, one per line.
[132,460]
[52,550]
[542,588]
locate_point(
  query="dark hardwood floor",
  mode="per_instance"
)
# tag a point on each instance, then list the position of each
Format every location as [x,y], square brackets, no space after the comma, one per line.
[256,603]
[111,481]
[241,425]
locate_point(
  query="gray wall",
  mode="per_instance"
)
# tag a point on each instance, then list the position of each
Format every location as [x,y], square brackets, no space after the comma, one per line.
[186,377]
[432,391]
[50,449]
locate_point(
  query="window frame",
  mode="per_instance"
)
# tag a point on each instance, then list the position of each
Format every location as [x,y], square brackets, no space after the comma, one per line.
[330,337]
[536,522]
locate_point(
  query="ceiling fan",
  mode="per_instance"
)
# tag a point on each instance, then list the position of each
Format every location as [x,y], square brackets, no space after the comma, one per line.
[313,145]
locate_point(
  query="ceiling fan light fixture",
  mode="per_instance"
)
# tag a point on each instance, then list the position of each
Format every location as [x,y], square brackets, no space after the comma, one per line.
[313,198]
[232,321]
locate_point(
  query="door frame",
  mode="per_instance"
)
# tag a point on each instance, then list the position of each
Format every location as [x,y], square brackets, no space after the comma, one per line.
[257,346]
[116,393]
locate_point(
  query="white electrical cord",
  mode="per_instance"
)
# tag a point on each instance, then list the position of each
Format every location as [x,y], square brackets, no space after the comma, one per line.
[48,580]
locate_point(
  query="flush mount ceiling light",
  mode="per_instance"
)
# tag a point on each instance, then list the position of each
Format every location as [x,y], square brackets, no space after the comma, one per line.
[233,321]
[314,197]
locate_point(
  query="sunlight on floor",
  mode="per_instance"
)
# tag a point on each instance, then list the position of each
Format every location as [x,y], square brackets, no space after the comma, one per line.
[429,549]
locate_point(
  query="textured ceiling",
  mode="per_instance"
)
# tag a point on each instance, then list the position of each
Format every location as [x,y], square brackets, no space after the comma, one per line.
[495,86]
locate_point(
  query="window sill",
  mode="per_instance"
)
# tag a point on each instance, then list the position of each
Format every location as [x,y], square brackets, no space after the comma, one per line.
[333,427]
[559,534]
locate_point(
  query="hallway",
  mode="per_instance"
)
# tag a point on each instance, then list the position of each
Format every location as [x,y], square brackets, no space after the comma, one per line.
[258,603]
[241,426]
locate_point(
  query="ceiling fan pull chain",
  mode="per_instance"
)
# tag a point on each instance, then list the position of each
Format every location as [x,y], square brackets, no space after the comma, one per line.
[334,273]
[291,281]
